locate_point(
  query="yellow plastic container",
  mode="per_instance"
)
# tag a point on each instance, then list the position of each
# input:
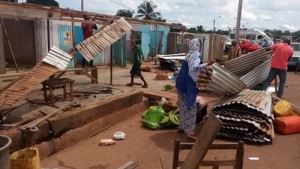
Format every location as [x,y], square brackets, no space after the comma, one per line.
[283,108]
[25,159]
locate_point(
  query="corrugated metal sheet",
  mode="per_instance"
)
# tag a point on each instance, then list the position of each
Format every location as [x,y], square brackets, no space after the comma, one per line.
[247,116]
[244,64]
[28,82]
[225,82]
[57,58]
[257,75]
[94,45]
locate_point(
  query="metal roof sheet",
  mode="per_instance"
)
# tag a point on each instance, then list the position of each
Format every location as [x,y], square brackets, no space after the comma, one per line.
[57,58]
[243,64]
[94,45]
[224,81]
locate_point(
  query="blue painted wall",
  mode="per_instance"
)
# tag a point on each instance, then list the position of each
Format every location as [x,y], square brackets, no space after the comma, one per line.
[62,29]
[78,38]
[149,38]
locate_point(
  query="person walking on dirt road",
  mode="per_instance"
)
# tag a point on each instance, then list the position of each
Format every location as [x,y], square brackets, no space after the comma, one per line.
[137,62]
[282,53]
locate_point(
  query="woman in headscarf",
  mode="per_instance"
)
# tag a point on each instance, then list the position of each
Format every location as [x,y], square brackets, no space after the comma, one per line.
[187,89]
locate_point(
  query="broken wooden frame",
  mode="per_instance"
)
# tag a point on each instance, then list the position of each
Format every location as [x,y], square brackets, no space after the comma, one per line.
[203,143]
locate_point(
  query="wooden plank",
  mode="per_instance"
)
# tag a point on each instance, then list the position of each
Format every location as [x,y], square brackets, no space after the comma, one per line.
[204,140]
[130,165]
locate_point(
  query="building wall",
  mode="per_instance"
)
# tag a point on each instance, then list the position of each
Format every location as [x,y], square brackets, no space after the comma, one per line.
[149,39]
[61,36]
[41,39]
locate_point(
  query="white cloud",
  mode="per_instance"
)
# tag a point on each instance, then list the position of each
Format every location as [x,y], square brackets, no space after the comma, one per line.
[276,14]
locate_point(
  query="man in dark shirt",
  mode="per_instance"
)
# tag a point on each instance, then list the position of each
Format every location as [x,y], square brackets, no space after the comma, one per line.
[137,61]
[87,30]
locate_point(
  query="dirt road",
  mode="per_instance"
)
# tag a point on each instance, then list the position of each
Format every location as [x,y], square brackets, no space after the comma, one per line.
[149,146]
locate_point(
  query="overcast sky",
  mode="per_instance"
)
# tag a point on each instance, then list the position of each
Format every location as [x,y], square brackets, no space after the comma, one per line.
[258,14]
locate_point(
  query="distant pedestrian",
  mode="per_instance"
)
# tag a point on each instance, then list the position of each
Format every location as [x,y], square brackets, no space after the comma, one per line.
[87,30]
[187,88]
[137,62]
[235,51]
[282,53]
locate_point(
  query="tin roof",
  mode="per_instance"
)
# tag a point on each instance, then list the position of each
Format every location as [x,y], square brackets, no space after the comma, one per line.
[244,64]
[94,45]
[224,81]
[57,58]
[257,75]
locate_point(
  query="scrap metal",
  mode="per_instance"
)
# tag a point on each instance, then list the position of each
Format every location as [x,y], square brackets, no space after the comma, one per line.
[247,116]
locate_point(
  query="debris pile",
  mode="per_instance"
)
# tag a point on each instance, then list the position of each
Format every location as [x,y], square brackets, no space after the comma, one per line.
[247,116]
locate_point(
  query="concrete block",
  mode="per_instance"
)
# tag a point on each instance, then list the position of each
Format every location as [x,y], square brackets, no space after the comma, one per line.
[48,148]
[77,118]
[82,133]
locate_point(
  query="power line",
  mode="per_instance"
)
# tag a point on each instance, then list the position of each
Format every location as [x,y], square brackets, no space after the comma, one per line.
[121,4]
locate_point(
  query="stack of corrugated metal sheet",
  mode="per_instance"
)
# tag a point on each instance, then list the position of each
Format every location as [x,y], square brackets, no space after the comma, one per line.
[56,59]
[244,64]
[247,116]
[94,45]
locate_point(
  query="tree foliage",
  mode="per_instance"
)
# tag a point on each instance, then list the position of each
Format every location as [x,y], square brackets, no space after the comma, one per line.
[146,12]
[44,2]
[125,12]
[10,0]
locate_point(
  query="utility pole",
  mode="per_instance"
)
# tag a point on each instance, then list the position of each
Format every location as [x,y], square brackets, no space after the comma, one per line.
[82,5]
[214,26]
[238,21]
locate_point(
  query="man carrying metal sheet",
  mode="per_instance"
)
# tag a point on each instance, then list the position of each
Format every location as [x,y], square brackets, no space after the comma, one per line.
[87,30]
[137,61]
[282,53]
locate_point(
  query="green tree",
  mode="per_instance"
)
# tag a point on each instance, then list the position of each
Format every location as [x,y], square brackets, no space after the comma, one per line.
[10,0]
[44,2]
[146,11]
[192,30]
[125,12]
[200,29]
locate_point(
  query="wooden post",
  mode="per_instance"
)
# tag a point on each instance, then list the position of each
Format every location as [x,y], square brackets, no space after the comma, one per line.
[111,65]
[204,140]
[10,48]
[122,52]
[2,58]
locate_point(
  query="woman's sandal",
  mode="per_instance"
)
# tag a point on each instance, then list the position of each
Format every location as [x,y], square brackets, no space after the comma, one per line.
[191,136]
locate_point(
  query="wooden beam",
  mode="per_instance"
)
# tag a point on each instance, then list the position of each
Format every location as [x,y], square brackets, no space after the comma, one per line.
[204,140]
[9,45]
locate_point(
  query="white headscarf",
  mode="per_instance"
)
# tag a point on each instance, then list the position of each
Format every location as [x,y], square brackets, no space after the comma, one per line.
[194,45]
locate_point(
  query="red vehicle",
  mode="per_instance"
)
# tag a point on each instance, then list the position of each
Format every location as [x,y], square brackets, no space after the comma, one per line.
[247,46]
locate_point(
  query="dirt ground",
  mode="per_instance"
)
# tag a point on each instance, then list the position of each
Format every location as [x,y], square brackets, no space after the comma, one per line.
[149,147]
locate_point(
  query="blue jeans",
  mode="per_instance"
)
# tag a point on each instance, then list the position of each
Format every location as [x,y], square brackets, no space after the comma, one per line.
[282,77]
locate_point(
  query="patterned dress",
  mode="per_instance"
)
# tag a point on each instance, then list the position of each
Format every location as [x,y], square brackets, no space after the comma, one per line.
[187,90]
